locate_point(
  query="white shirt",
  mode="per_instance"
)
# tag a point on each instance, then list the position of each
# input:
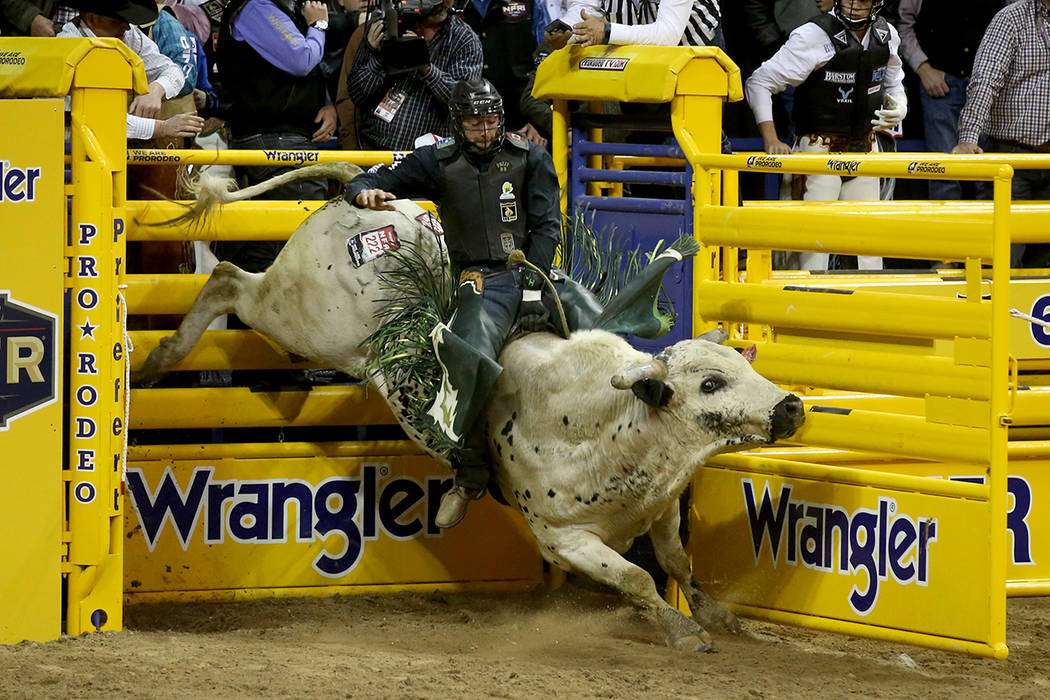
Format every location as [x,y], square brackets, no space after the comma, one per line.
[807,49]
[159,69]
[667,29]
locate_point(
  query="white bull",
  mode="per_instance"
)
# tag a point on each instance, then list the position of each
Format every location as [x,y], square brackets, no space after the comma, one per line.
[592,440]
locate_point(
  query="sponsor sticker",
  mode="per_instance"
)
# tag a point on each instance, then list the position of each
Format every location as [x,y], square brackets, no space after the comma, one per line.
[845,96]
[367,246]
[873,89]
[764,162]
[297,157]
[617,64]
[834,76]
[507,241]
[12,58]
[844,166]
[433,223]
[922,166]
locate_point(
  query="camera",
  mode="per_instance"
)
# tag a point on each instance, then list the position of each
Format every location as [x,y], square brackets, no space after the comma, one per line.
[401,53]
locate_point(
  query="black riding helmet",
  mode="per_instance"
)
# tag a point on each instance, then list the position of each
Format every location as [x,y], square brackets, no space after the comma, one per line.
[475,98]
[855,24]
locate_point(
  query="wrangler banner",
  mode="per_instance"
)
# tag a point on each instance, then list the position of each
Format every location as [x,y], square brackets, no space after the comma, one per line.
[897,561]
[232,528]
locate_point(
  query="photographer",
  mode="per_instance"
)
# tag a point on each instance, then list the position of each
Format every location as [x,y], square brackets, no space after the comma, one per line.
[402,95]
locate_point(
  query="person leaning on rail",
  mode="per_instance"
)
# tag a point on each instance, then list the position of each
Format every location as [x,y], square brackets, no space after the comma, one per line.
[1009,100]
[118,19]
[848,84]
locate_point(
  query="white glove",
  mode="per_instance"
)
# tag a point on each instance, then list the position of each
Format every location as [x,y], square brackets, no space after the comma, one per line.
[891,115]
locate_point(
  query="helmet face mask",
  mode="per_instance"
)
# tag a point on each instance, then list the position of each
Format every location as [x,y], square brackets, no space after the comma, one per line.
[472,101]
[843,9]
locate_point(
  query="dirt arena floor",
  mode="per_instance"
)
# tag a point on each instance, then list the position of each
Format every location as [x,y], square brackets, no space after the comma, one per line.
[576,642]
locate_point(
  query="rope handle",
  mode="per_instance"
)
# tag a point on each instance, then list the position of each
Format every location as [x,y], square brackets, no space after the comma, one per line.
[517,257]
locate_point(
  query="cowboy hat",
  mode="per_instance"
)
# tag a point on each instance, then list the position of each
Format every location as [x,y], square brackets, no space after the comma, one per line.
[131,11]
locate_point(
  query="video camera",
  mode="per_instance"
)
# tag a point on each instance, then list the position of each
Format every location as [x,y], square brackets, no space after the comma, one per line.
[401,53]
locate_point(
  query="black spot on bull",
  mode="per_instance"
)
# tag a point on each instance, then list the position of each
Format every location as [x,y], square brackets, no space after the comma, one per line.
[711,421]
[507,428]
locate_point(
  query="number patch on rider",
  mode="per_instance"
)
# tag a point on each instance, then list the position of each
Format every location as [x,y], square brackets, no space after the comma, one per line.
[367,246]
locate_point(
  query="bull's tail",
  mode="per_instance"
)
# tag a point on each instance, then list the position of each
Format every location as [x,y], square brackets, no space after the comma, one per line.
[213,191]
[219,295]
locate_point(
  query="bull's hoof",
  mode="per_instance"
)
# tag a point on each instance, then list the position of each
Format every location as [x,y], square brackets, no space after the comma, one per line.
[693,643]
[724,618]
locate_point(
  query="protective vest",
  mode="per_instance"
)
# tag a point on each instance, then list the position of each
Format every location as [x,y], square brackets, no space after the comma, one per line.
[840,98]
[484,213]
[264,98]
[949,32]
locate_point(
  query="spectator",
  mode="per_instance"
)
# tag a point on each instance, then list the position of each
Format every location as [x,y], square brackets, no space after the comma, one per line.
[848,79]
[100,18]
[344,18]
[649,22]
[160,180]
[397,107]
[507,42]
[495,192]
[344,106]
[1009,100]
[939,40]
[771,21]
[270,56]
[174,41]
[40,18]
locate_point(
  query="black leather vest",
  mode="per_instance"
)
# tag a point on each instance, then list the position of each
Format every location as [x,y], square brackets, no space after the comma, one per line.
[840,98]
[484,213]
[264,98]
[949,32]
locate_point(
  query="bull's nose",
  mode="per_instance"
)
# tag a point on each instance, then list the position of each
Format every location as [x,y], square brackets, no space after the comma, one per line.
[788,415]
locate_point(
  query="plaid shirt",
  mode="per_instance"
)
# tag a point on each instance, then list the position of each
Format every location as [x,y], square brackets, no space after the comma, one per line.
[1009,93]
[455,54]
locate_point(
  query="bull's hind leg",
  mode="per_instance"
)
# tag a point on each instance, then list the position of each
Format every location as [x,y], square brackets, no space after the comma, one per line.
[667,545]
[219,295]
[586,554]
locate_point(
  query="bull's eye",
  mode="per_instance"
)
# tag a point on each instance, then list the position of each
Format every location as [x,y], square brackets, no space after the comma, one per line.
[712,384]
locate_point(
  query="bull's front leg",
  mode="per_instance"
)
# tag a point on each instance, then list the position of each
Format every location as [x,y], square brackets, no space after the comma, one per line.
[667,545]
[585,553]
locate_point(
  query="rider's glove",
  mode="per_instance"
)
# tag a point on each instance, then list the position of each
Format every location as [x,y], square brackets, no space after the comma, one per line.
[532,314]
[889,116]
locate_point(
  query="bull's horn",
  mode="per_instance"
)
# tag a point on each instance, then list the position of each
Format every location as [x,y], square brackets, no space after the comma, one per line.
[654,369]
[717,335]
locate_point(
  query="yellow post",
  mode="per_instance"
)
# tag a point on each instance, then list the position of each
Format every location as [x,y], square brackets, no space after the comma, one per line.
[96,397]
[999,420]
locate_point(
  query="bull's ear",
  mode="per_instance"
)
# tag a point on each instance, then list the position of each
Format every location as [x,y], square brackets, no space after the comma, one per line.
[653,392]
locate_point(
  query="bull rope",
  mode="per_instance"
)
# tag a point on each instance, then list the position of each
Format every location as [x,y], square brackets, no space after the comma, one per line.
[1016,313]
